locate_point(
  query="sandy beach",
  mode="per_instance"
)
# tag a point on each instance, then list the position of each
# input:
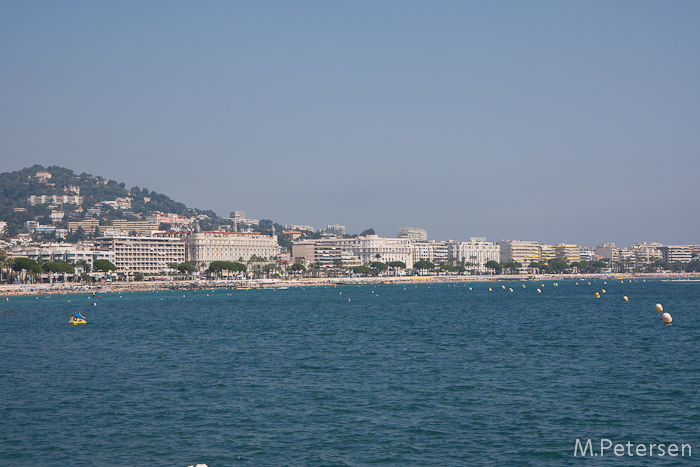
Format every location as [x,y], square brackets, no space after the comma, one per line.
[122,287]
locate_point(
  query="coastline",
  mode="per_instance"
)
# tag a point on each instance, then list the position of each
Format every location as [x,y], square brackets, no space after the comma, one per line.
[146,286]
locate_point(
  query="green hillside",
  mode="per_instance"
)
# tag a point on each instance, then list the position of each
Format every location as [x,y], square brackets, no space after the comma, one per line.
[17,187]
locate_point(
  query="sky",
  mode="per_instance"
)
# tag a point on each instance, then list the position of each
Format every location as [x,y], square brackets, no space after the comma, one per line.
[574,122]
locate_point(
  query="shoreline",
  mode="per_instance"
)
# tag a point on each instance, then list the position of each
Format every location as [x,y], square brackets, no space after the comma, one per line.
[146,286]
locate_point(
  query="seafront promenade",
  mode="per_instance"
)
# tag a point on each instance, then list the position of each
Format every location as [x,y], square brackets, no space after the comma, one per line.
[121,287]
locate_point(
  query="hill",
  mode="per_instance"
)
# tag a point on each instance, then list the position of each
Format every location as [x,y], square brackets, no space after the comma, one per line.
[16,188]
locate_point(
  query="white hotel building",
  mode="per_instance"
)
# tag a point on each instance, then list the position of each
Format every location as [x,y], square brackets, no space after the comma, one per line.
[371,248]
[475,253]
[204,247]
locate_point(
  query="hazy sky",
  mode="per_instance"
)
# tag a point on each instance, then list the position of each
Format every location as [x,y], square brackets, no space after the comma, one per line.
[534,120]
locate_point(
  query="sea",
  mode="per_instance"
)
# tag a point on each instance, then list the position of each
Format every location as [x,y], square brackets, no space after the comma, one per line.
[414,374]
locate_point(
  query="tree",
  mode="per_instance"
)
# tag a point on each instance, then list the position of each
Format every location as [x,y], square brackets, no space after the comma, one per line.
[379,266]
[364,270]
[423,264]
[338,265]
[185,268]
[29,265]
[512,266]
[58,267]
[297,267]
[76,236]
[494,265]
[103,265]
[369,231]
[558,265]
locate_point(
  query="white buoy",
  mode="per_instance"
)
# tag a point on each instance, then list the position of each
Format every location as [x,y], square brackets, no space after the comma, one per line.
[659,308]
[624,299]
[510,289]
[470,288]
[523,286]
[539,290]
[503,287]
[490,290]
[602,290]
[94,304]
[666,317]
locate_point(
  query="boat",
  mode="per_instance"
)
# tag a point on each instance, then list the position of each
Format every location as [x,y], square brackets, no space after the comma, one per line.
[77,318]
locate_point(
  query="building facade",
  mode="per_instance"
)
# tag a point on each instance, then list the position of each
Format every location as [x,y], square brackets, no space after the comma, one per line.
[413,233]
[676,253]
[521,251]
[326,253]
[204,247]
[569,253]
[150,255]
[475,253]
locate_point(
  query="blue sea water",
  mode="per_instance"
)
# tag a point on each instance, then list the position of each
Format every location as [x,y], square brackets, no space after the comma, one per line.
[386,375]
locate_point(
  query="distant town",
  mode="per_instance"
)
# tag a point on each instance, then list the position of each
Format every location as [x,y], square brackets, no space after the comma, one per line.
[55,234]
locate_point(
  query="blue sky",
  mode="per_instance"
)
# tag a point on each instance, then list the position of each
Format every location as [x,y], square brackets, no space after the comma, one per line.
[552,121]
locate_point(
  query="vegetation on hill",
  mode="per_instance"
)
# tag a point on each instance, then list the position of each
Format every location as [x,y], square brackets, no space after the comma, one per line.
[17,187]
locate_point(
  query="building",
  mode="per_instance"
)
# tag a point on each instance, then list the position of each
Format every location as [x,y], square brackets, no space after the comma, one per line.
[607,251]
[326,253]
[150,255]
[647,252]
[335,229]
[434,251]
[547,254]
[140,227]
[204,247]
[119,203]
[370,248]
[626,256]
[43,176]
[88,225]
[676,253]
[521,251]
[67,253]
[475,253]
[55,199]
[586,253]
[307,228]
[57,216]
[569,253]
[176,221]
[413,233]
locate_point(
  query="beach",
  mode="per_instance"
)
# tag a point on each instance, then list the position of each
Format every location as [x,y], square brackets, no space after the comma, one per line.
[8,290]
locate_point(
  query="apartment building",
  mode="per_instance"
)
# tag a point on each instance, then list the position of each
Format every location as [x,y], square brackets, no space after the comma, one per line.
[150,255]
[324,252]
[568,252]
[647,252]
[521,251]
[67,253]
[676,253]
[413,233]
